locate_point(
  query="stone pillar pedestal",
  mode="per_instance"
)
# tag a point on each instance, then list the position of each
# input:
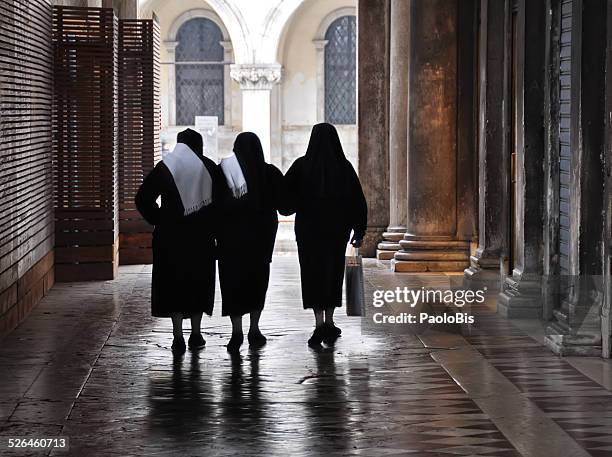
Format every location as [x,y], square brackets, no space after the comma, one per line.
[521,298]
[576,328]
[398,128]
[431,253]
[256,82]
[432,241]
[484,266]
[391,243]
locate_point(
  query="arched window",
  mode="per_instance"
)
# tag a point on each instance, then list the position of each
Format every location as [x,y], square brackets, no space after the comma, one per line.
[199,86]
[340,71]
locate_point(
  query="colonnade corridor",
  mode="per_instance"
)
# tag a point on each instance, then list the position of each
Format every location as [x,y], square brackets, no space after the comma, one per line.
[91,364]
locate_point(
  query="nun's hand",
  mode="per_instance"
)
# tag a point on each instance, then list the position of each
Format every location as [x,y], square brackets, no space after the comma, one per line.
[356,242]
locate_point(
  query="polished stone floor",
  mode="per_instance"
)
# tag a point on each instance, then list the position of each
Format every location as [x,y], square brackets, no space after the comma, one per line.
[90,364]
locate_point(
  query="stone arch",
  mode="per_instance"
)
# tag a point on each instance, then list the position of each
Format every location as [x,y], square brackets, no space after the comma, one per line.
[275,23]
[170,42]
[193,14]
[301,95]
[330,18]
[190,81]
[228,16]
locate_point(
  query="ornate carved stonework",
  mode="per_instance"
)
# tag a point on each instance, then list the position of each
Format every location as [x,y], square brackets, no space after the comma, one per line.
[256,76]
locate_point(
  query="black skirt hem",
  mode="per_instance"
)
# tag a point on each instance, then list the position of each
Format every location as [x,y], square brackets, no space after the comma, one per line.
[186,314]
[321,308]
[242,312]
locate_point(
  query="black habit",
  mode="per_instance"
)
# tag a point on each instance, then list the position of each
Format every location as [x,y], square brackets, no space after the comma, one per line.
[249,225]
[183,245]
[324,192]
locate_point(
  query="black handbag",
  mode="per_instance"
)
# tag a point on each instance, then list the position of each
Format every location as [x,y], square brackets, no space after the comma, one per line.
[353,279]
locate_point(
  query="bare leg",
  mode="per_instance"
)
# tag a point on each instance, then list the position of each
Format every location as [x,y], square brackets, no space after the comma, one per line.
[196,323]
[319,333]
[196,341]
[256,339]
[236,324]
[177,325]
[333,331]
[319,319]
[178,345]
[254,328]
[237,336]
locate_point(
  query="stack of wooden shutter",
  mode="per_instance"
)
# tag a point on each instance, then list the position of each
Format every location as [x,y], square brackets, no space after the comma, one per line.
[26,203]
[85,143]
[139,122]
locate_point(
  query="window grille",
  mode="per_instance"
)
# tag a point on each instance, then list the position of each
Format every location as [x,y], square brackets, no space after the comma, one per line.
[340,71]
[199,86]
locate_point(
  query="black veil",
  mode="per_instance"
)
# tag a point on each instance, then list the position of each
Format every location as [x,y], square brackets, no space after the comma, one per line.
[192,139]
[250,155]
[326,167]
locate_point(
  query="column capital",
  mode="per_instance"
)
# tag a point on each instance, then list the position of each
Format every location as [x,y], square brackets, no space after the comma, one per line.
[256,76]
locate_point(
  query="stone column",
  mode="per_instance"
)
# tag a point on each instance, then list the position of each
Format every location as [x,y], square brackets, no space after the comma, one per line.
[492,166]
[606,312]
[227,83]
[171,71]
[320,47]
[372,115]
[431,242]
[576,329]
[521,295]
[256,82]
[398,127]
[276,126]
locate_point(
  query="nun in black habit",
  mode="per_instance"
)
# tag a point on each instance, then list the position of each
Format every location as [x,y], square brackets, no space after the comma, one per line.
[246,239]
[324,192]
[191,187]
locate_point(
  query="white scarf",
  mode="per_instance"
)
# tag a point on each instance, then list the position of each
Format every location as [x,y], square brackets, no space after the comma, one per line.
[191,178]
[234,176]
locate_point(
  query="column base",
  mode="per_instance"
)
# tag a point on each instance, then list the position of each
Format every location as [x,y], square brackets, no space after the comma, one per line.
[390,245]
[436,254]
[373,236]
[422,266]
[561,343]
[483,267]
[576,329]
[520,299]
[385,251]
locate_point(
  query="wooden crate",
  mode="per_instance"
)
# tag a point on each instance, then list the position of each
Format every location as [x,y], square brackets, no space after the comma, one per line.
[85,143]
[26,197]
[139,125]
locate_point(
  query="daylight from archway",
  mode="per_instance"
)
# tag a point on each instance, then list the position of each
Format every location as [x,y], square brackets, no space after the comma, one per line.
[305,228]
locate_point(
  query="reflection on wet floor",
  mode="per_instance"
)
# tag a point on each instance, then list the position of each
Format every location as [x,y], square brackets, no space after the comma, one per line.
[91,364]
